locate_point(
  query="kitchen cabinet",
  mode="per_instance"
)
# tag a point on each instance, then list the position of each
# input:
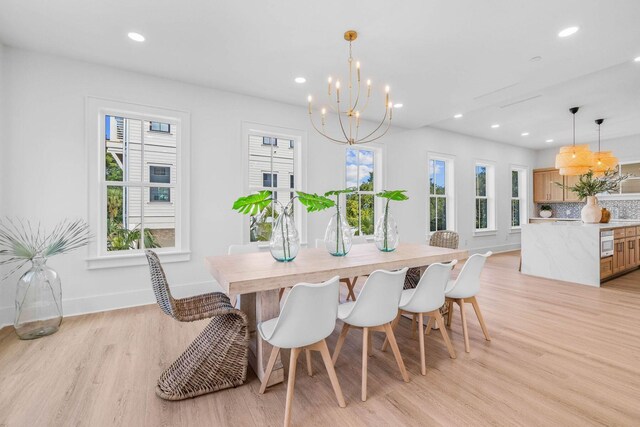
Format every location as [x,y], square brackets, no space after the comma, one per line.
[619,255]
[570,196]
[632,260]
[606,267]
[546,190]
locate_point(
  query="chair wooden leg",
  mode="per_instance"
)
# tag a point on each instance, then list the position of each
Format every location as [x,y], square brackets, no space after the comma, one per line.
[326,357]
[365,358]
[449,312]
[370,343]
[465,331]
[343,335]
[414,325]
[476,308]
[445,334]
[280,293]
[272,361]
[293,362]
[423,364]
[396,351]
[309,368]
[427,331]
[394,324]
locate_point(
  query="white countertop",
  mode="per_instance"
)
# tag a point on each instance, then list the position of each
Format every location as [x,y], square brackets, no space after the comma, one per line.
[577,223]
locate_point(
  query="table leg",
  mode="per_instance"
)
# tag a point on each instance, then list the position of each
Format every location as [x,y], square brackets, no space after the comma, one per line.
[259,307]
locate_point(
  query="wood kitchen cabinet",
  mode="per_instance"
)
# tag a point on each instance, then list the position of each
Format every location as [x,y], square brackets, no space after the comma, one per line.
[619,255]
[545,188]
[632,259]
[570,196]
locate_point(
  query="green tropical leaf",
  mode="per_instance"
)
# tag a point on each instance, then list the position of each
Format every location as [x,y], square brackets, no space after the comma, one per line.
[253,204]
[314,202]
[338,192]
[397,195]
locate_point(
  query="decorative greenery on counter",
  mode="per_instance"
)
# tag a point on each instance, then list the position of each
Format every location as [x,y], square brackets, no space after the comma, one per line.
[546,208]
[591,185]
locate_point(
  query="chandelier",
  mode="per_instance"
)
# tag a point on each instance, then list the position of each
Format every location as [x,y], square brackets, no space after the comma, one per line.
[574,159]
[349,113]
[602,161]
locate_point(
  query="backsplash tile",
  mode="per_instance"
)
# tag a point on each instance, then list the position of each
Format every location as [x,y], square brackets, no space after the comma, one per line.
[620,209]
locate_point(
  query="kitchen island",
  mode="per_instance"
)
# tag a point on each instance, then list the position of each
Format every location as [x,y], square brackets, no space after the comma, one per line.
[574,252]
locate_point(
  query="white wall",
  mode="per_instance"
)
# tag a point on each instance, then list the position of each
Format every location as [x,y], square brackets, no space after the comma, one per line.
[44,153]
[626,149]
[407,169]
[2,139]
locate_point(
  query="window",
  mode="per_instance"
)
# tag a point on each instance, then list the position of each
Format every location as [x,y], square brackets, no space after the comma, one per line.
[518,197]
[441,206]
[485,201]
[268,140]
[360,205]
[269,180]
[139,198]
[160,127]
[266,162]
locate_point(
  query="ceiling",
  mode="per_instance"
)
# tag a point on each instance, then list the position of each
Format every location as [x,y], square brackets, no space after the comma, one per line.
[439,57]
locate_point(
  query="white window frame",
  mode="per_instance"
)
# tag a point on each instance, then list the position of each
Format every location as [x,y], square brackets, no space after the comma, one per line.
[378,181]
[96,109]
[490,197]
[449,190]
[300,171]
[523,195]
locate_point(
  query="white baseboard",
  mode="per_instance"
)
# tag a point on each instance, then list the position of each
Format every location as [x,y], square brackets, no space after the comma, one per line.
[113,301]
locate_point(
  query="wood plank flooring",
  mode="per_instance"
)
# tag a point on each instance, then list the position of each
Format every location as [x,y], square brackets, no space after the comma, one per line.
[561,354]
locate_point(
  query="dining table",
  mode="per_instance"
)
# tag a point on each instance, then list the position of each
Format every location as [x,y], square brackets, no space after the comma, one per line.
[257,277]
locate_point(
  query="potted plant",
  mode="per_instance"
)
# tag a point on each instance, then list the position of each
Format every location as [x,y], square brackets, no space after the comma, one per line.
[386,233]
[39,291]
[338,237]
[589,186]
[284,242]
[546,211]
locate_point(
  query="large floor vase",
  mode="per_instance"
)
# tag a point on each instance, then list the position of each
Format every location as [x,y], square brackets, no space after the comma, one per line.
[591,213]
[38,301]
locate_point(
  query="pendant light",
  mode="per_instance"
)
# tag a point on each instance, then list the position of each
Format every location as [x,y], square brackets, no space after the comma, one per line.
[574,159]
[602,161]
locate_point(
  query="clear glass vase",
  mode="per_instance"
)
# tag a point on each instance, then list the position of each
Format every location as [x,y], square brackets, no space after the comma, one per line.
[38,301]
[285,241]
[338,237]
[386,233]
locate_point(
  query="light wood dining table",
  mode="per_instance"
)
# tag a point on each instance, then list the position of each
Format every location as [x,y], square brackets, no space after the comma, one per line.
[257,277]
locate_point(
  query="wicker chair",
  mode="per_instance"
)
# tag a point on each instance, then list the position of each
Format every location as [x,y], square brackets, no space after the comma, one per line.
[217,358]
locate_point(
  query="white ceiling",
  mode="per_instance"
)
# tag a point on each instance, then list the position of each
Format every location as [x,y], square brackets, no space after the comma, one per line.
[439,57]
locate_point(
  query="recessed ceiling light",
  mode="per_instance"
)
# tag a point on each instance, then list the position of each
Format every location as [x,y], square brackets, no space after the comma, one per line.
[549,141]
[300,80]
[397,105]
[525,134]
[496,126]
[568,31]
[136,37]
[637,59]
[457,116]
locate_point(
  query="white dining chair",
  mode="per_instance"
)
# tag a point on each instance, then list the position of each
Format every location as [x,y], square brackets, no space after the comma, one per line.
[307,318]
[350,283]
[464,290]
[425,300]
[375,309]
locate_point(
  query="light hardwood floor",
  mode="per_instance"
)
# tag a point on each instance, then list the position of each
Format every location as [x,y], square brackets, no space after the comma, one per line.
[560,354]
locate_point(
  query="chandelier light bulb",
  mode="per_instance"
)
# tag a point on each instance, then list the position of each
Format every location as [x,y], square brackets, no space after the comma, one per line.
[329,79]
[386,89]
[337,84]
[358,64]
[324,111]
[368,82]
[309,98]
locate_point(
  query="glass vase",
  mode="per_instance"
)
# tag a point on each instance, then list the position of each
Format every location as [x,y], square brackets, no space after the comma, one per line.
[386,234]
[338,237]
[285,241]
[38,301]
